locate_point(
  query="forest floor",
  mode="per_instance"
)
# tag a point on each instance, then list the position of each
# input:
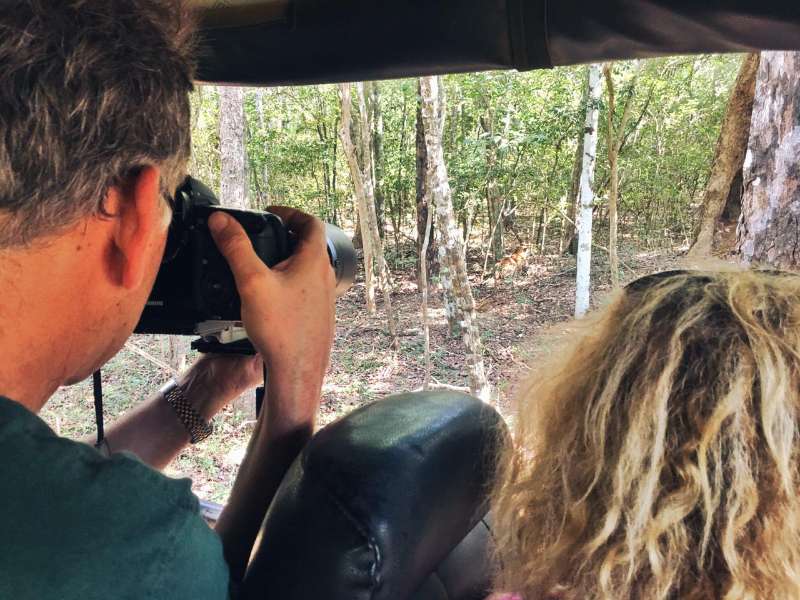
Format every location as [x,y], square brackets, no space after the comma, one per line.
[512,315]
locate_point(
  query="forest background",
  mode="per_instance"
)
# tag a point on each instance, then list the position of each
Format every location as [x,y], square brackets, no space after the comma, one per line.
[513,148]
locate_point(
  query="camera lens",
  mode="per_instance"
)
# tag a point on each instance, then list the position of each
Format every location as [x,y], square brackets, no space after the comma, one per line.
[343,258]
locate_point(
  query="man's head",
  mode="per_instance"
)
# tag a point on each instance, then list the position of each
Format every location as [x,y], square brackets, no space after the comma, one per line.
[94,133]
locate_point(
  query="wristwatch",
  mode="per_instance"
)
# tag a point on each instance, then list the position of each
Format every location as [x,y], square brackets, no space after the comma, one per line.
[197,427]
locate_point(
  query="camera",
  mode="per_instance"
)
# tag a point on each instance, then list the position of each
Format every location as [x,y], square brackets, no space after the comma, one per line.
[195,293]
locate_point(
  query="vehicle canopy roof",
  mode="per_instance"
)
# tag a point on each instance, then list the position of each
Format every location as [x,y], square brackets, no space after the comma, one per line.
[289,42]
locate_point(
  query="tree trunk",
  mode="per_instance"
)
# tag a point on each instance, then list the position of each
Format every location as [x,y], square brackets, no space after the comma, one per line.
[769,227]
[365,197]
[423,285]
[569,231]
[260,107]
[586,194]
[360,197]
[233,176]
[459,302]
[569,226]
[358,243]
[728,157]
[422,197]
[494,204]
[376,143]
[543,232]
[615,135]
[176,350]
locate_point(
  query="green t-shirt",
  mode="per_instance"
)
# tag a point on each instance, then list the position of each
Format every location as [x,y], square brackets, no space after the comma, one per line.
[77,525]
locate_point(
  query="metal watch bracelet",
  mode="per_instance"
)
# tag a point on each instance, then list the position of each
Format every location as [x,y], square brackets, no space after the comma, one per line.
[197,427]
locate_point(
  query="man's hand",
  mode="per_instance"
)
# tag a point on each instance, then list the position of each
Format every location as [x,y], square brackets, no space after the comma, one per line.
[288,311]
[215,380]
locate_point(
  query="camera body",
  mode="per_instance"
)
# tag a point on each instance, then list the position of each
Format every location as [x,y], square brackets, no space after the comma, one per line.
[195,293]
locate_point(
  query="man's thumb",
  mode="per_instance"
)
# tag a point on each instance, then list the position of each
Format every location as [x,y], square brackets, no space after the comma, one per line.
[235,246]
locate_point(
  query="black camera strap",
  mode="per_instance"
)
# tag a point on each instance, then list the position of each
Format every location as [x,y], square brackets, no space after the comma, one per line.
[260,393]
[98,407]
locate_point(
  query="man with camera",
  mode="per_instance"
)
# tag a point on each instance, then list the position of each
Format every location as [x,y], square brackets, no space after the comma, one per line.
[94,139]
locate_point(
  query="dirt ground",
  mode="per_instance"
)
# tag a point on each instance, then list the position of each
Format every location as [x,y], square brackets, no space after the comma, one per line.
[512,314]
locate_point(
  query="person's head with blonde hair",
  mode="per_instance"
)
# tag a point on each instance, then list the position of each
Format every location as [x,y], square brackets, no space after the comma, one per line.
[658,455]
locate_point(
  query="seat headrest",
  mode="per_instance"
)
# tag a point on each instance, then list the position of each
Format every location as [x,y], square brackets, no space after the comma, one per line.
[377,499]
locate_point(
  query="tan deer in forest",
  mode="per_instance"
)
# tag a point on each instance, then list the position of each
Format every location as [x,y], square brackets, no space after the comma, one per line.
[509,265]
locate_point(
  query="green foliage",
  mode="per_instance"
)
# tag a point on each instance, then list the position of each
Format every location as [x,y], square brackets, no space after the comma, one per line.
[516,132]
[679,104]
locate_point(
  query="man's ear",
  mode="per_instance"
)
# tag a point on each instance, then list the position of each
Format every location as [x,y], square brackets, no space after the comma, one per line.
[139,225]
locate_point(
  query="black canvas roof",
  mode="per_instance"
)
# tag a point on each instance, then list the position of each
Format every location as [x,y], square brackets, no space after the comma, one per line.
[273,42]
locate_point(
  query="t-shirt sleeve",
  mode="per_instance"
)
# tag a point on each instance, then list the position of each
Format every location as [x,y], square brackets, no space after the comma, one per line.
[80,525]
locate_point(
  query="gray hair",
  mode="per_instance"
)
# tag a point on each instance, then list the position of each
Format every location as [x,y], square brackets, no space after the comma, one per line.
[91,91]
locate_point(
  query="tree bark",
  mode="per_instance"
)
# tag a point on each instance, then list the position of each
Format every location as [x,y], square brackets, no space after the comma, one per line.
[376,143]
[769,226]
[361,200]
[459,302]
[728,157]
[586,195]
[494,204]
[233,173]
[615,135]
[422,197]
[569,229]
[423,285]
[232,150]
[177,350]
[569,226]
[365,197]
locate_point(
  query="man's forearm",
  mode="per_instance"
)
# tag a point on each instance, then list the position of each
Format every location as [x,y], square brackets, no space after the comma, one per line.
[279,437]
[151,431]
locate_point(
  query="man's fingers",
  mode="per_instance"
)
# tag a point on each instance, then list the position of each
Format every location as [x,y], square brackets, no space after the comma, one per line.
[295,220]
[237,249]
[309,230]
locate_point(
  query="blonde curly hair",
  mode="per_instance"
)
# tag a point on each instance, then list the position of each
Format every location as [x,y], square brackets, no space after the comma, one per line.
[657,456]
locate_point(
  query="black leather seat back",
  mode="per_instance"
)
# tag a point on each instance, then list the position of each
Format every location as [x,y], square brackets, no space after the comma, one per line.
[378,500]
[466,573]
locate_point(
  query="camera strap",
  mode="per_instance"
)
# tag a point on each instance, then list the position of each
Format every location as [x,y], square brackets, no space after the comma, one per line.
[98,407]
[260,393]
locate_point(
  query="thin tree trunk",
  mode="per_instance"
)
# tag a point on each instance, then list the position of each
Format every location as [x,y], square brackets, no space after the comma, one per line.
[365,197]
[494,204]
[728,156]
[368,171]
[233,167]
[613,188]
[423,284]
[768,232]
[397,206]
[422,198]
[376,143]
[345,135]
[543,232]
[586,195]
[569,228]
[260,107]
[233,176]
[615,135]
[459,302]
[177,349]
